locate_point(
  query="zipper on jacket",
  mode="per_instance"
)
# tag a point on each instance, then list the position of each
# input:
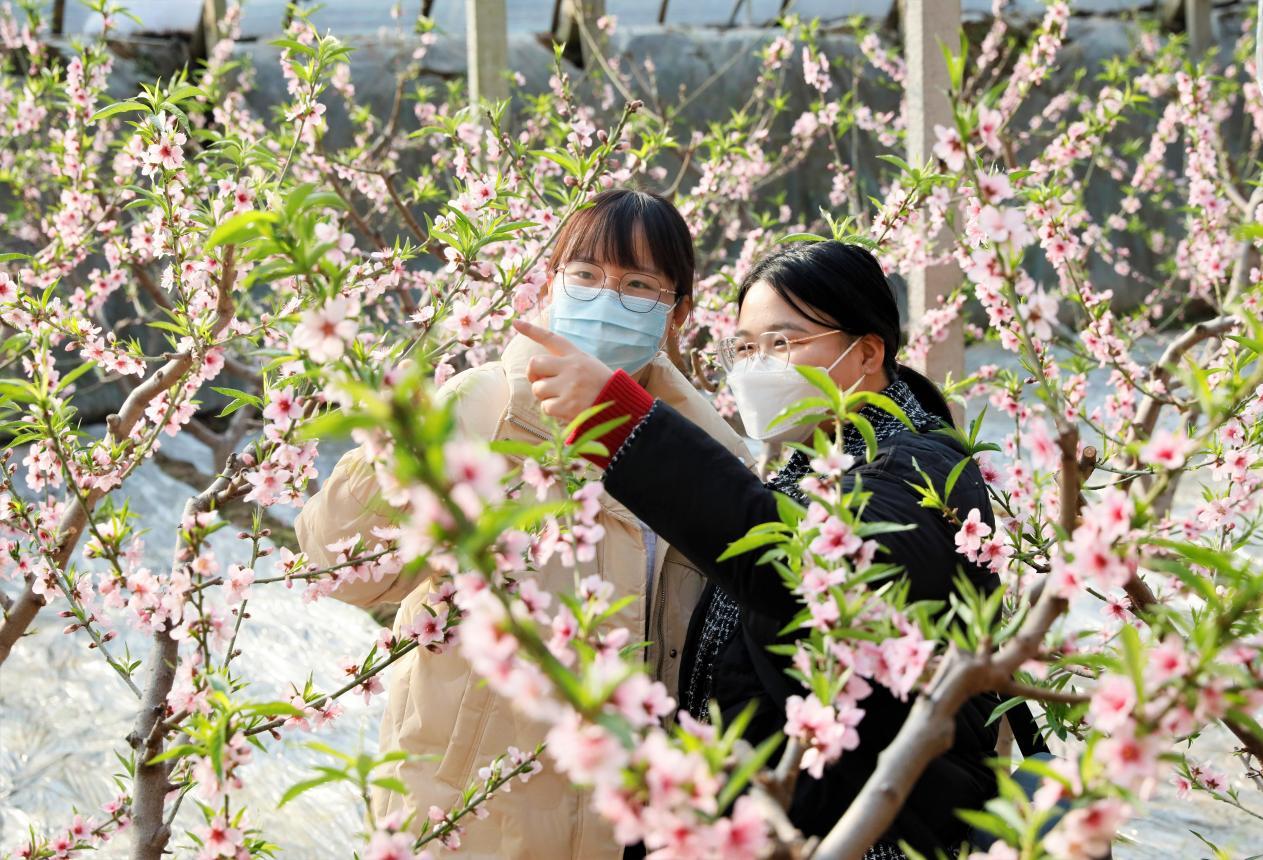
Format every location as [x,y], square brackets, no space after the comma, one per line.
[534,431]
[660,607]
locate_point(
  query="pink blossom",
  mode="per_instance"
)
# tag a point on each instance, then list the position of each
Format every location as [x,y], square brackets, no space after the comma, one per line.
[476,466]
[743,835]
[1112,703]
[907,657]
[995,187]
[324,332]
[642,701]
[1167,449]
[825,731]
[950,148]
[391,846]
[239,581]
[970,536]
[1131,760]
[1045,454]
[1167,660]
[587,754]
[220,839]
[1086,834]
[836,540]
[427,627]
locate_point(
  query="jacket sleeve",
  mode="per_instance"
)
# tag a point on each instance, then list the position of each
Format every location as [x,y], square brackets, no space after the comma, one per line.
[349,501]
[699,497]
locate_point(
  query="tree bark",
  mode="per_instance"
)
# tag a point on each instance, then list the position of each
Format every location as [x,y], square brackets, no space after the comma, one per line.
[152,781]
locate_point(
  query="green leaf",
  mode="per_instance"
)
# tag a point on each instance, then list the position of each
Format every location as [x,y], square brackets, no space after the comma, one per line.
[747,770]
[896,161]
[273,709]
[117,108]
[184,93]
[175,752]
[391,783]
[953,476]
[512,448]
[238,394]
[1003,708]
[1133,656]
[239,228]
[750,542]
[305,785]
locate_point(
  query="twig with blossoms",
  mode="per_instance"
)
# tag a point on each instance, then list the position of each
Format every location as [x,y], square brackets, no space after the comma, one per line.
[120,425]
[445,827]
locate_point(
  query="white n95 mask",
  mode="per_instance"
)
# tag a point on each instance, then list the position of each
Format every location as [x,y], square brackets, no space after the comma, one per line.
[764,389]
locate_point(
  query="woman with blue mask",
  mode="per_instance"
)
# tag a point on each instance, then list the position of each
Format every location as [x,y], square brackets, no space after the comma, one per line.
[620,284]
[622,279]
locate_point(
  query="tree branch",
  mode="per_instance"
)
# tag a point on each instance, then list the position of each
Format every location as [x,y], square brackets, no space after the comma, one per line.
[930,727]
[119,425]
[1160,373]
[1042,694]
[150,730]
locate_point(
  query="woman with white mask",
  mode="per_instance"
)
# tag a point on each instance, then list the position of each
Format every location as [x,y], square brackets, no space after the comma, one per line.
[827,305]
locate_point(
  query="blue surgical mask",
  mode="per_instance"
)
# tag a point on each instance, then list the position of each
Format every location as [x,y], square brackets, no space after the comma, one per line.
[604,329]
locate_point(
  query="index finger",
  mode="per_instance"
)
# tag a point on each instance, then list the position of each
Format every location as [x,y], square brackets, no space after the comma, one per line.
[551,341]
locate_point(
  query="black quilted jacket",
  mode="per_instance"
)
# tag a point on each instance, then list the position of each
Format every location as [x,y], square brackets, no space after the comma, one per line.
[700,499]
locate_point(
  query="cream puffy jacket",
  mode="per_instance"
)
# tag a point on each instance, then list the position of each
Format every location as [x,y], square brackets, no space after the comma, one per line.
[438,710]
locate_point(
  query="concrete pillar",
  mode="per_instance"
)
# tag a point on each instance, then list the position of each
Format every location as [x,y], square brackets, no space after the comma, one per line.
[206,35]
[1196,15]
[566,27]
[1197,24]
[487,47]
[926,23]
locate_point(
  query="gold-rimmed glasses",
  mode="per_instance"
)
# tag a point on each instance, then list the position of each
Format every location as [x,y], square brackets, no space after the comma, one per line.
[772,346]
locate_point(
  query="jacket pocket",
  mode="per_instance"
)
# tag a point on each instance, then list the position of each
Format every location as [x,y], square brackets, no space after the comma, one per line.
[474,711]
[440,701]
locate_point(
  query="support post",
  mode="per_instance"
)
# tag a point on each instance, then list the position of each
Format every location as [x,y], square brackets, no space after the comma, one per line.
[926,23]
[566,27]
[487,49]
[1196,17]
[1197,24]
[206,35]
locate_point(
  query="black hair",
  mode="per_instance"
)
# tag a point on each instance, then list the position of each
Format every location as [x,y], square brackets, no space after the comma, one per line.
[842,286]
[606,230]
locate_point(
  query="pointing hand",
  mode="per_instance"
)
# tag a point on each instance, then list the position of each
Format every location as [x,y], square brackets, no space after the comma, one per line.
[567,380]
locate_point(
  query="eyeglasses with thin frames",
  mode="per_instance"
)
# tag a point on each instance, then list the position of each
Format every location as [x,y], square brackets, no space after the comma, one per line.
[638,292]
[772,346]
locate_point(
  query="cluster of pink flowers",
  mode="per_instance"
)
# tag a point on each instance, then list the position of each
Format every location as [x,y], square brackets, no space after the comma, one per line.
[82,835]
[1097,555]
[976,542]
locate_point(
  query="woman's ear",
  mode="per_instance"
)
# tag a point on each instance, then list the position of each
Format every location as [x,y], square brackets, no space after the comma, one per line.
[872,350]
[683,308]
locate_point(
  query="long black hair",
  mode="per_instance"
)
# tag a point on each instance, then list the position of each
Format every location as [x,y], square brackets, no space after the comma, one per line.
[842,286]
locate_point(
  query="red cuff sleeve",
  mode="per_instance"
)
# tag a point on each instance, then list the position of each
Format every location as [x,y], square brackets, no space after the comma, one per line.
[625,397]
